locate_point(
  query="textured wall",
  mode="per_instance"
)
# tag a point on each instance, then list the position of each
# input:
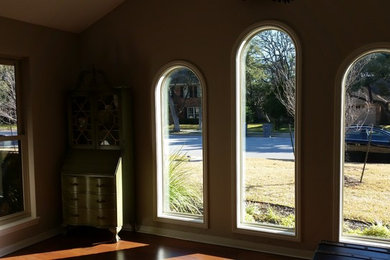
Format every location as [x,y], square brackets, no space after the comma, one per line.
[139,37]
[50,67]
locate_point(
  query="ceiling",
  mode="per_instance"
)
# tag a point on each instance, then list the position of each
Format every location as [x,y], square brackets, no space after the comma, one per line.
[67,15]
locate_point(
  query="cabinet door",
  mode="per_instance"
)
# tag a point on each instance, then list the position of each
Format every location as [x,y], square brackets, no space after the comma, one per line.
[81,122]
[107,121]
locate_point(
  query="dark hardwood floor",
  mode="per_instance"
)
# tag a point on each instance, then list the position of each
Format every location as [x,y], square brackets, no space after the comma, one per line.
[88,243]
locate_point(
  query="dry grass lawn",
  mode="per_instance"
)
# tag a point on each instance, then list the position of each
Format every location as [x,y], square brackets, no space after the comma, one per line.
[272,181]
[368,201]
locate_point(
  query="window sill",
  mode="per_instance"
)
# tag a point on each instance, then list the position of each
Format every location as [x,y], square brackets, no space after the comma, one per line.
[266,231]
[18,225]
[366,241]
[182,220]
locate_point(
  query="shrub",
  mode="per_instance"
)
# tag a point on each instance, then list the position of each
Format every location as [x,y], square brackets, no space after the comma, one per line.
[376,230]
[270,216]
[184,197]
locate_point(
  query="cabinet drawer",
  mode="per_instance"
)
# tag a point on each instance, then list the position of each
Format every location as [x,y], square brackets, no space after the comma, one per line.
[74,200]
[99,185]
[73,184]
[101,201]
[102,218]
[75,216]
[89,201]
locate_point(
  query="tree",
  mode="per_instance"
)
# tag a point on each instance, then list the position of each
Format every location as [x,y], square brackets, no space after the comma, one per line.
[278,59]
[180,78]
[257,89]
[270,74]
[367,85]
[355,95]
[8,114]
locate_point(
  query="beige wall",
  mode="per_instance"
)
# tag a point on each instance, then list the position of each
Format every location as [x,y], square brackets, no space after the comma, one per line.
[50,67]
[139,37]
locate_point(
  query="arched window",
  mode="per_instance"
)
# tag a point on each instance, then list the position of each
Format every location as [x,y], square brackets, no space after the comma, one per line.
[180,154]
[365,141]
[266,131]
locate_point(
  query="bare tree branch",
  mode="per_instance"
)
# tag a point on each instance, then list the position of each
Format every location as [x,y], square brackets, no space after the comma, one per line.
[8,115]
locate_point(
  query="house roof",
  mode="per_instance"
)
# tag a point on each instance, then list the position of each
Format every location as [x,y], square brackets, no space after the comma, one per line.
[67,15]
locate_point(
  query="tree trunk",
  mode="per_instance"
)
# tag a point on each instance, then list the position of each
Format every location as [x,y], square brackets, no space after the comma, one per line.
[200,117]
[176,124]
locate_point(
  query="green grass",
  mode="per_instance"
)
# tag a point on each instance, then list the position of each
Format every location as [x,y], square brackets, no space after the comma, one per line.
[375,230]
[8,127]
[257,129]
[270,216]
[186,127]
[387,127]
[252,129]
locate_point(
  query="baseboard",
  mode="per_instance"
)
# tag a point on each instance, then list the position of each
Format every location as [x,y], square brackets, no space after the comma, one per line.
[229,242]
[30,241]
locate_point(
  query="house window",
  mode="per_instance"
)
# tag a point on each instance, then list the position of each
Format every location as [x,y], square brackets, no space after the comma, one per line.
[13,173]
[193,112]
[181,186]
[266,131]
[365,139]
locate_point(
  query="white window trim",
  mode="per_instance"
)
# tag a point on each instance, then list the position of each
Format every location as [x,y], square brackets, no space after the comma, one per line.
[28,217]
[193,113]
[258,229]
[339,137]
[159,215]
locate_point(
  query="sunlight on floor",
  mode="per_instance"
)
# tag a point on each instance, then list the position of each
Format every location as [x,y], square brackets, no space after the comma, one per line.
[76,252]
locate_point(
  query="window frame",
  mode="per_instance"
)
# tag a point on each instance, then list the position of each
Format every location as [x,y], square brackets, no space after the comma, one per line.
[159,214]
[339,141]
[194,112]
[237,153]
[27,217]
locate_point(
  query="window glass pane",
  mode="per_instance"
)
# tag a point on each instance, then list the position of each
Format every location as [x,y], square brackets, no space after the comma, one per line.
[8,115]
[11,185]
[182,145]
[366,169]
[267,131]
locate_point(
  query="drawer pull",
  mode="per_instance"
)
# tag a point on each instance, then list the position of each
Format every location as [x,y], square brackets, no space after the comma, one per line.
[75,184]
[101,217]
[75,215]
[101,201]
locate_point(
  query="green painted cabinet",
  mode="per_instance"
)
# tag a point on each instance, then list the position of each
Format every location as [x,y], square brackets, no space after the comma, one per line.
[92,189]
[92,170]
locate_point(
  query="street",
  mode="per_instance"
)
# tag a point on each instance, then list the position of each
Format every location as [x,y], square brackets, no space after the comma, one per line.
[8,143]
[256,147]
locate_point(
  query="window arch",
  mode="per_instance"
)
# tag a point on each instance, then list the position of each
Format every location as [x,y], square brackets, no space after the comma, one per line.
[267,109]
[365,146]
[180,109]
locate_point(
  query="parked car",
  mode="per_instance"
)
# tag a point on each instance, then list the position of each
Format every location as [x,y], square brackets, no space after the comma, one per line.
[358,137]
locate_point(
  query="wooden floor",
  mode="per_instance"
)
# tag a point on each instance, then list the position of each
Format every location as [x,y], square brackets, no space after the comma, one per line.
[87,243]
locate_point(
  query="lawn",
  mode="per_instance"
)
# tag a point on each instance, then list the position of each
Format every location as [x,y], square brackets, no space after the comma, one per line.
[367,201]
[252,129]
[257,129]
[272,182]
[8,128]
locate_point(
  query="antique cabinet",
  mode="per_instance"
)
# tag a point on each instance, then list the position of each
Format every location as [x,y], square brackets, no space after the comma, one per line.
[94,119]
[92,189]
[92,170]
